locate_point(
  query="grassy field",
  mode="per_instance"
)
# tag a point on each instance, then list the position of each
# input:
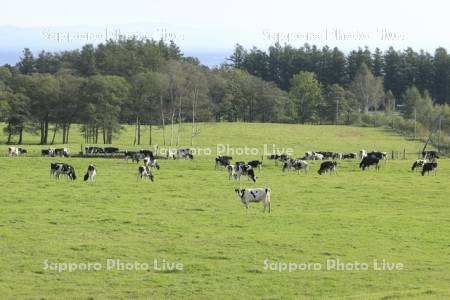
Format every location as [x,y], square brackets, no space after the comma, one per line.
[190,215]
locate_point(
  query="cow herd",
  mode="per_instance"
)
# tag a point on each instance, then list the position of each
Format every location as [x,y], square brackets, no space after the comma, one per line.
[427,164]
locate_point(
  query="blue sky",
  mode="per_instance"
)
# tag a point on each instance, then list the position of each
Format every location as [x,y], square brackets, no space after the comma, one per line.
[211,28]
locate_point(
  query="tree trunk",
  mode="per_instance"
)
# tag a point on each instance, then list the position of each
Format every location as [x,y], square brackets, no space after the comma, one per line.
[193,116]
[139,133]
[67,133]
[179,123]
[55,129]
[20,135]
[9,133]
[150,134]
[162,119]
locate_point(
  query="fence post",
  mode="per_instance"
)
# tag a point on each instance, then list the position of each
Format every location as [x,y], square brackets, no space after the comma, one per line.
[392,155]
[404,153]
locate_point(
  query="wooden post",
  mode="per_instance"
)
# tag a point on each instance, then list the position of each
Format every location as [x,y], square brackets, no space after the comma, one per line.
[404,153]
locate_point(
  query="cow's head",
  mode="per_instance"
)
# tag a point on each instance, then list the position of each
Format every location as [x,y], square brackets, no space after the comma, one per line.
[240,192]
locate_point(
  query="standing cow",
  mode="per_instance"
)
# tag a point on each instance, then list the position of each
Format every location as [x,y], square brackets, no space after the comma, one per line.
[90,173]
[255,195]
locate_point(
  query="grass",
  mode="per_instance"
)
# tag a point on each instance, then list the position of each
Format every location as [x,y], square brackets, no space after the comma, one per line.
[191,215]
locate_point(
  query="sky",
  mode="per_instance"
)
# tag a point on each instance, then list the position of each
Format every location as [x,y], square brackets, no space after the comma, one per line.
[213,27]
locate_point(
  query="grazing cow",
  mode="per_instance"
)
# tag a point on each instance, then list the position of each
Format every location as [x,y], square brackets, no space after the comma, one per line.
[145,171]
[90,173]
[362,153]
[349,156]
[325,154]
[255,164]
[61,152]
[368,161]
[429,167]
[93,150]
[232,169]
[58,169]
[277,158]
[313,156]
[328,166]
[111,150]
[245,170]
[337,156]
[418,164]
[48,152]
[222,161]
[430,154]
[15,151]
[171,154]
[297,164]
[378,154]
[151,162]
[255,195]
[185,153]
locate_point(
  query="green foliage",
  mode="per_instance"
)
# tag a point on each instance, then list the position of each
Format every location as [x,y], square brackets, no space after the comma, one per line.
[306,94]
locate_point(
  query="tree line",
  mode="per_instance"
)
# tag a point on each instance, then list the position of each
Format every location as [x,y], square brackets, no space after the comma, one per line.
[151,83]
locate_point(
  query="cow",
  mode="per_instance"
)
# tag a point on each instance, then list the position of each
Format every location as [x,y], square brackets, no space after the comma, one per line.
[277,158]
[430,154]
[185,153]
[255,164]
[368,161]
[111,150]
[328,166]
[58,169]
[144,171]
[151,162]
[310,155]
[93,150]
[222,161]
[429,167]
[61,152]
[90,173]
[418,164]
[245,170]
[48,152]
[337,156]
[349,155]
[232,169]
[378,154]
[362,154]
[171,154]
[325,154]
[15,151]
[298,164]
[255,195]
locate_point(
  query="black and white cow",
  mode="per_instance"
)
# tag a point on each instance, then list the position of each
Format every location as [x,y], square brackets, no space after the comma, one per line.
[325,154]
[111,150]
[58,169]
[93,150]
[245,170]
[61,152]
[429,167]
[48,152]
[298,165]
[378,154]
[185,153]
[151,162]
[255,195]
[90,173]
[349,156]
[328,166]
[232,169]
[310,155]
[368,161]
[430,154]
[255,164]
[145,171]
[362,153]
[418,164]
[337,156]
[277,158]
[15,151]
[223,161]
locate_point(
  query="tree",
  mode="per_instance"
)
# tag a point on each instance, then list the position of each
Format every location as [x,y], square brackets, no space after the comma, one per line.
[306,93]
[367,89]
[26,64]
